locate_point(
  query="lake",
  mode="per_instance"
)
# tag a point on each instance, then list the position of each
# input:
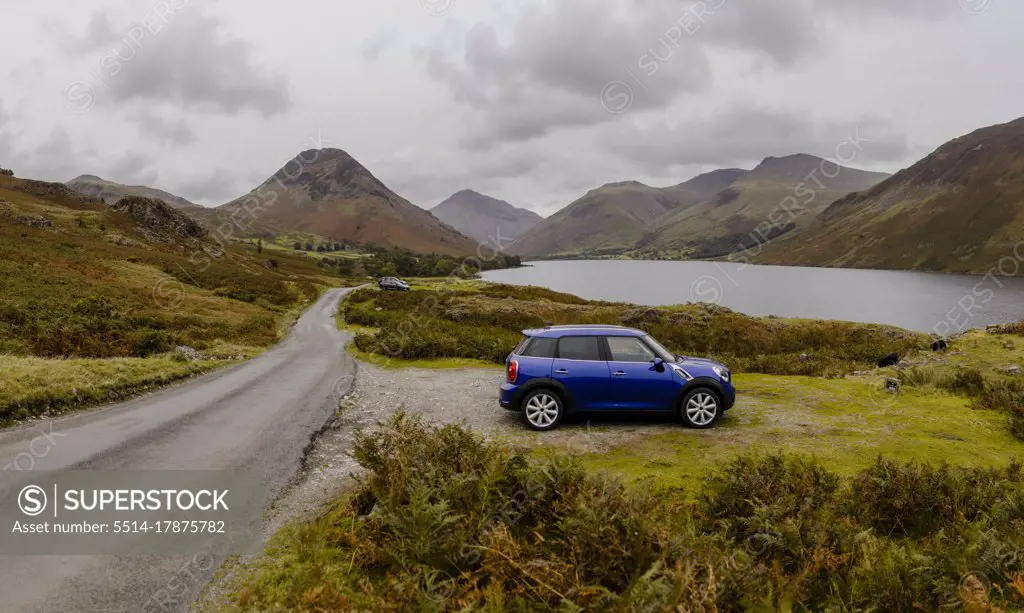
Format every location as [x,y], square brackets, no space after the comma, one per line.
[927,302]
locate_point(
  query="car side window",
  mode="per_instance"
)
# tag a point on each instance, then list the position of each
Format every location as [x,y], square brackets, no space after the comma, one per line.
[629,349]
[580,348]
[540,348]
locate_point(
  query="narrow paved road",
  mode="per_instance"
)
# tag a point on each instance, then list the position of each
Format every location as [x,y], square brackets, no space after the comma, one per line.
[260,415]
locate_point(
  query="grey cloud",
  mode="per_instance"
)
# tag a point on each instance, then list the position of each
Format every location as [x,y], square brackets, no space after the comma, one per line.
[376,45]
[554,65]
[53,159]
[187,60]
[132,169]
[750,133]
[171,131]
[213,187]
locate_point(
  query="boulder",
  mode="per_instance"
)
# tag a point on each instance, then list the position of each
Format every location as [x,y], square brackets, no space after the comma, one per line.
[890,360]
[188,353]
[939,345]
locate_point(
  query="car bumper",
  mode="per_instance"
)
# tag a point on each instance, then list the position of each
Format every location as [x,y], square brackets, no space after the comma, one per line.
[508,396]
[728,397]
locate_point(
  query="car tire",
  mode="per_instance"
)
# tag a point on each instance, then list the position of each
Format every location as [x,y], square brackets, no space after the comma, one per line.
[542,410]
[701,408]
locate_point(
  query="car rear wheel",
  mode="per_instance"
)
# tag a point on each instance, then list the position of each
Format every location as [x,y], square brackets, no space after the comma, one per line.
[701,408]
[542,410]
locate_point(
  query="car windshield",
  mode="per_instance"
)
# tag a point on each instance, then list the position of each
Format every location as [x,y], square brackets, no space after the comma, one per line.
[663,353]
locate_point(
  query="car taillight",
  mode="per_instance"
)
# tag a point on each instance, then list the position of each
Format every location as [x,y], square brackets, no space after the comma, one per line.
[512,371]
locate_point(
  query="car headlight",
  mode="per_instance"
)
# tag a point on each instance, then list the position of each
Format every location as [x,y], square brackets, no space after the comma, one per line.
[722,372]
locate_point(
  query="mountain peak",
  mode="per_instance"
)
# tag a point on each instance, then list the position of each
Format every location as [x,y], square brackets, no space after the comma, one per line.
[623,184]
[484,218]
[85,178]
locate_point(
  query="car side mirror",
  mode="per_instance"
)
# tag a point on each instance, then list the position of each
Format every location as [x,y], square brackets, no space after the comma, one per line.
[659,364]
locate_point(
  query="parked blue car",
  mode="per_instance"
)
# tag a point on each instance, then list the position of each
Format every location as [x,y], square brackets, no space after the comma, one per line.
[565,369]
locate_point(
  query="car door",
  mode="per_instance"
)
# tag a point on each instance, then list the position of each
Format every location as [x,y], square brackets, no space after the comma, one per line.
[635,383]
[580,366]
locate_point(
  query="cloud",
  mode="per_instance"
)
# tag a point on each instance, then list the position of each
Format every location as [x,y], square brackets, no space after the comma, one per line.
[575,63]
[750,133]
[152,126]
[186,59]
[376,45]
[212,187]
[132,169]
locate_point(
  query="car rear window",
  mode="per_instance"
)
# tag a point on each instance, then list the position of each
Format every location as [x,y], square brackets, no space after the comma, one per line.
[540,348]
[579,348]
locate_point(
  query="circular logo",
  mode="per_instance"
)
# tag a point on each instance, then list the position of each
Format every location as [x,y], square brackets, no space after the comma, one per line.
[974,588]
[32,500]
[617,97]
[437,7]
[707,289]
[168,293]
[975,7]
[882,395]
[79,97]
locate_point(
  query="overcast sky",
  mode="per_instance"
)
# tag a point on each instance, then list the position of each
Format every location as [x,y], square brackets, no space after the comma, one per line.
[530,101]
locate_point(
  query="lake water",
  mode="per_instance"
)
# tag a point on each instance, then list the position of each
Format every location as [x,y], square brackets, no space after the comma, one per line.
[928,302]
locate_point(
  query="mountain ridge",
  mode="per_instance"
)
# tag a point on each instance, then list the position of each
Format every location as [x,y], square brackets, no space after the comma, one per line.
[329,193]
[485,219]
[112,192]
[959,209]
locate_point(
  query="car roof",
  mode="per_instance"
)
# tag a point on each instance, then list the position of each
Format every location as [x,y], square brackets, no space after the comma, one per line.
[583,330]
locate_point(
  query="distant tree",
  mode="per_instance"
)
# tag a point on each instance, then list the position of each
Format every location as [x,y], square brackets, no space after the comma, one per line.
[259,245]
[7,172]
[338,247]
[320,249]
[297,246]
[309,246]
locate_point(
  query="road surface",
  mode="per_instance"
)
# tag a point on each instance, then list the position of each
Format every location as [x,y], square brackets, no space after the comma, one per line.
[260,415]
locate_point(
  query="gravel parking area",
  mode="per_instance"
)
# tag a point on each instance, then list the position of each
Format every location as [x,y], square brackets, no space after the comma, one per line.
[470,396]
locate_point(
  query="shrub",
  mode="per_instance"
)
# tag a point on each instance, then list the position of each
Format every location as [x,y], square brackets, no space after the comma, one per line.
[916,499]
[967,382]
[444,521]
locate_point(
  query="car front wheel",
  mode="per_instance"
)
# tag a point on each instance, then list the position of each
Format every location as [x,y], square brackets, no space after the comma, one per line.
[701,408]
[542,410]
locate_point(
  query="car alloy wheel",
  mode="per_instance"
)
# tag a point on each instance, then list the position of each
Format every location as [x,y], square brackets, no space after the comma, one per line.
[542,410]
[701,409]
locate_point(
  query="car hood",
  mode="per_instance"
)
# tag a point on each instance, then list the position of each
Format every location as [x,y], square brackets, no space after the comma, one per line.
[689,361]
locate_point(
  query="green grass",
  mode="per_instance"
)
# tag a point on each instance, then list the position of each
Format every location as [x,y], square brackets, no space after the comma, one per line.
[844,423]
[34,386]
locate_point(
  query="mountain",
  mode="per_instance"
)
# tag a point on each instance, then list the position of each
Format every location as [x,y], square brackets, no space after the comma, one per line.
[778,196]
[485,219]
[960,209]
[614,217]
[328,193]
[111,192]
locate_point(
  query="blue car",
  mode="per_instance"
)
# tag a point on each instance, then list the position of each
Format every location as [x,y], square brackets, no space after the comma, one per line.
[565,369]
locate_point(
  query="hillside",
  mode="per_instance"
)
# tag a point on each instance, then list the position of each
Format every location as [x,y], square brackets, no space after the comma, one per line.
[960,209]
[110,192]
[776,197]
[328,193]
[485,219]
[614,217]
[709,215]
[114,289]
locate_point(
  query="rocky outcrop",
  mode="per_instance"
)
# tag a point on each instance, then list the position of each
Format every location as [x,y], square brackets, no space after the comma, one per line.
[159,221]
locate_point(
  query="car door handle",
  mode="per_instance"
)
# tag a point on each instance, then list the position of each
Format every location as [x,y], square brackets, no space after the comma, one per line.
[561,371]
[619,373]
